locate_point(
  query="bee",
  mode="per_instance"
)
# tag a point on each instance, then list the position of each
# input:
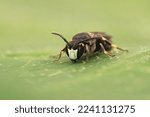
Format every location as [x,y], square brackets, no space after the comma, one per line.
[85,44]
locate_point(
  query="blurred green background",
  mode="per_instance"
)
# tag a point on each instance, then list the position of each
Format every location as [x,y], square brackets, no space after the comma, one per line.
[27,71]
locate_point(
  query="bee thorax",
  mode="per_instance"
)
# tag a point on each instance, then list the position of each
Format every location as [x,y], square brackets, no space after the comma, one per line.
[72,54]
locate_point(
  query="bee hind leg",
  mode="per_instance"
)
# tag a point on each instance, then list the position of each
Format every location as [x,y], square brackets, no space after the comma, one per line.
[115,46]
[105,52]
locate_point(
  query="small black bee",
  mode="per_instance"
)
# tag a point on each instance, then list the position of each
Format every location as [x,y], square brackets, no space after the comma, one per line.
[86,43]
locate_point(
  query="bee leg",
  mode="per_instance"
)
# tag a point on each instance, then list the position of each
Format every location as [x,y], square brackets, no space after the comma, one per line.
[87,58]
[115,46]
[55,56]
[105,52]
[87,52]
[61,52]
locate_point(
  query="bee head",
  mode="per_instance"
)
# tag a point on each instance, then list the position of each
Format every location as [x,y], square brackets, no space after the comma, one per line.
[74,50]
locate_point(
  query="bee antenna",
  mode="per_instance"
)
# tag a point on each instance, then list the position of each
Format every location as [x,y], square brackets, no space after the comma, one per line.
[62,38]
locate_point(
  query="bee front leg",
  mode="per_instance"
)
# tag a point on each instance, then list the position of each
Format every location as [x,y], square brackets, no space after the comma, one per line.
[105,52]
[60,54]
[115,46]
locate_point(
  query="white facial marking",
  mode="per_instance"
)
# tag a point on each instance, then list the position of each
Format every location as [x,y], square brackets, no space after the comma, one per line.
[72,54]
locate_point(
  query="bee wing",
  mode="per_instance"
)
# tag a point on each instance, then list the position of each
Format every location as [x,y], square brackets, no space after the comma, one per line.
[103,38]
